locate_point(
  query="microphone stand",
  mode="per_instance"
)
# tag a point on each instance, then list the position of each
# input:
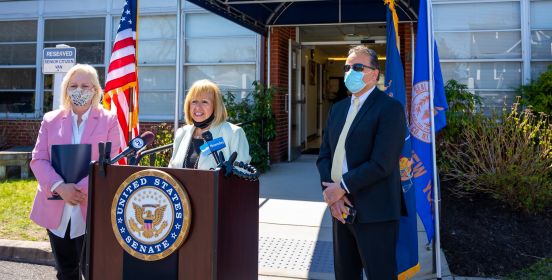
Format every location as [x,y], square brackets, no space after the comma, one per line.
[104,151]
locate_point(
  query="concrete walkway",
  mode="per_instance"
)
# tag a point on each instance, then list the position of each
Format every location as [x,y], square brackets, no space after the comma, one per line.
[295,240]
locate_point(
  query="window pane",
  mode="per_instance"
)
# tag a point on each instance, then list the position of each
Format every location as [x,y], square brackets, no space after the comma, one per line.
[74,29]
[118,5]
[48,101]
[17,78]
[226,76]
[479,44]
[484,75]
[498,15]
[538,67]
[156,78]
[157,27]
[191,6]
[221,50]
[205,25]
[157,51]
[156,103]
[18,31]
[90,53]
[540,14]
[101,75]
[541,44]
[494,101]
[17,101]
[48,81]
[19,54]
[151,27]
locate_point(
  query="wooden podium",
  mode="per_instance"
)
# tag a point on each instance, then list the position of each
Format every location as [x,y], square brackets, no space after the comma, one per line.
[222,241]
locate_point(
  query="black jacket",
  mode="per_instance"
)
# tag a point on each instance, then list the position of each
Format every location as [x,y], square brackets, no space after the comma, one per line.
[373,147]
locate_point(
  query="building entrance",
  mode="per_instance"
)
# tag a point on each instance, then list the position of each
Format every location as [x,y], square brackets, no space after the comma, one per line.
[318,83]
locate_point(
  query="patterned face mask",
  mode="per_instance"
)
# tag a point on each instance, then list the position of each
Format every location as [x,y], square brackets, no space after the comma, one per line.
[80,96]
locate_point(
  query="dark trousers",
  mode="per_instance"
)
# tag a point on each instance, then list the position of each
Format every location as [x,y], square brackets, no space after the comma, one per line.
[68,253]
[371,246]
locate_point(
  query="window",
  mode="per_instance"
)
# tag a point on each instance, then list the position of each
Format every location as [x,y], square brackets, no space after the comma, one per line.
[17,66]
[156,65]
[219,50]
[541,37]
[86,35]
[481,47]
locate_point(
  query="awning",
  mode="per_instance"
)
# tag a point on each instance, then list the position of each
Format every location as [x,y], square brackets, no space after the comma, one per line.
[258,15]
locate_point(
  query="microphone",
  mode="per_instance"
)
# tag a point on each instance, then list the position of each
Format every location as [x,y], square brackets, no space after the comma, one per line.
[213,146]
[134,145]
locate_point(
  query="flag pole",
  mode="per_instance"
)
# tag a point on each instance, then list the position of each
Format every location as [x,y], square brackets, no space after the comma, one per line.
[178,61]
[132,90]
[431,44]
[130,111]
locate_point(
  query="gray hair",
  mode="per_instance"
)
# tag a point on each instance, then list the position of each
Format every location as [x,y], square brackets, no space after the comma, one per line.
[361,49]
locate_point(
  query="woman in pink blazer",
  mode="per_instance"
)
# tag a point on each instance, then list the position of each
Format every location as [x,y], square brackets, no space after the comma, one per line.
[80,120]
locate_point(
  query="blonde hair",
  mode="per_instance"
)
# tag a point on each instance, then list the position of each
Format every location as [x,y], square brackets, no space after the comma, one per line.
[206,86]
[81,68]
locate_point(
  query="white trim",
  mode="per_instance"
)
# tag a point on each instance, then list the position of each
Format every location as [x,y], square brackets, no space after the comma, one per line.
[477,31]
[178,69]
[218,63]
[468,60]
[334,43]
[39,84]
[525,16]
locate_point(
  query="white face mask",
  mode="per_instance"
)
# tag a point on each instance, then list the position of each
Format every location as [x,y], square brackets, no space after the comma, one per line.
[80,96]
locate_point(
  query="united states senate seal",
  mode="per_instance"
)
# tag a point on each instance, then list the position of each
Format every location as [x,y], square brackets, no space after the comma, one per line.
[150,215]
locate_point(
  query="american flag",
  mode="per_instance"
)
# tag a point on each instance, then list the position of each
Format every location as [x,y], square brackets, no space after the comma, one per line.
[122,76]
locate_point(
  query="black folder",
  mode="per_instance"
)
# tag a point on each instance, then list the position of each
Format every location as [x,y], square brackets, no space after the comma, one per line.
[71,162]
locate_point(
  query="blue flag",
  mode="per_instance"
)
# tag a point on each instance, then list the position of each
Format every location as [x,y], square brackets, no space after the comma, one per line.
[407,245]
[420,120]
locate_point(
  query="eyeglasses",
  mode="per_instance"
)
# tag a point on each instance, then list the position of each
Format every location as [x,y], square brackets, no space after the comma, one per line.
[358,67]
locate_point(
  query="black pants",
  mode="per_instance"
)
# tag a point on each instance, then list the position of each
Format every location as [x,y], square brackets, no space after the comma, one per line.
[371,246]
[68,253]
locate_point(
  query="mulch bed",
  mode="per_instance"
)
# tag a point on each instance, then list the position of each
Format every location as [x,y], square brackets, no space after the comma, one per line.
[482,237]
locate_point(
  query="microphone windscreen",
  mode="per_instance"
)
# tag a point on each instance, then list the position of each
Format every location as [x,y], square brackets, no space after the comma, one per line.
[207,135]
[148,137]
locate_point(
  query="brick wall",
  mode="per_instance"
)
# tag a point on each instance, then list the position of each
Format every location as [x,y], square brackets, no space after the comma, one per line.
[19,132]
[25,132]
[279,45]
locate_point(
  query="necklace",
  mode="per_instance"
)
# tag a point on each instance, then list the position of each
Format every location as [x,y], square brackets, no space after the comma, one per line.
[200,136]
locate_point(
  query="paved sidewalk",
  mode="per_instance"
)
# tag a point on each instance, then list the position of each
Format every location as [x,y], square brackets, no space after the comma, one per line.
[295,233]
[295,240]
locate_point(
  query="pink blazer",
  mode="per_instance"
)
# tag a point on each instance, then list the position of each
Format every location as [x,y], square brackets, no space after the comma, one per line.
[56,128]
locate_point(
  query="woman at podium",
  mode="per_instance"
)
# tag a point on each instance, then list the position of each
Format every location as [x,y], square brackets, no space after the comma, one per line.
[206,117]
[60,206]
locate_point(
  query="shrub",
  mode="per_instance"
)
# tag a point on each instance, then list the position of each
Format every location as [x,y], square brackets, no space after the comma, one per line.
[164,134]
[538,93]
[462,106]
[256,106]
[507,155]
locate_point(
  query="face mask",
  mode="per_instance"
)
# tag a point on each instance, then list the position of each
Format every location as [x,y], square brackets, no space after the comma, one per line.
[353,81]
[205,123]
[79,96]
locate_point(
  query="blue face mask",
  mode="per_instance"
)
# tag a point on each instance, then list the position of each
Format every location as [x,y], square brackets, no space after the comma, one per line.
[353,81]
